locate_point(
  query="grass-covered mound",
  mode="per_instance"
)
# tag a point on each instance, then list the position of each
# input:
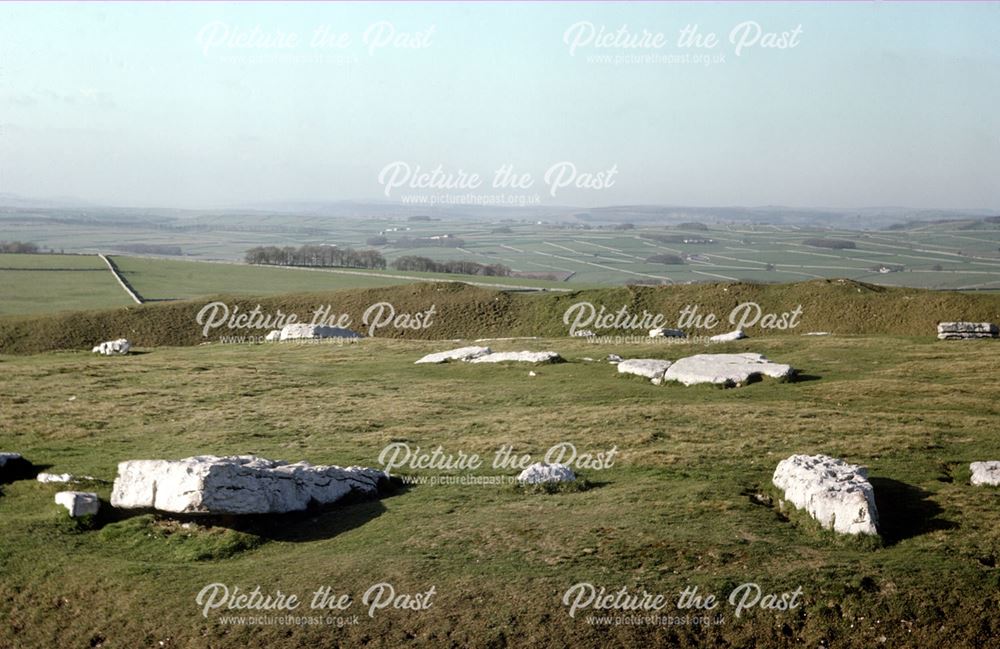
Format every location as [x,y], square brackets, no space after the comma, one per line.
[463,311]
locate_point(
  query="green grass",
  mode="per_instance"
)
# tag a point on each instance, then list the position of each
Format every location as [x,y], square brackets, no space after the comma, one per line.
[677,509]
[51,283]
[169,279]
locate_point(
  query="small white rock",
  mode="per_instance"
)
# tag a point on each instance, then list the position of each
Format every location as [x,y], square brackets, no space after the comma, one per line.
[541,472]
[985,473]
[663,332]
[113,347]
[79,503]
[54,477]
[728,337]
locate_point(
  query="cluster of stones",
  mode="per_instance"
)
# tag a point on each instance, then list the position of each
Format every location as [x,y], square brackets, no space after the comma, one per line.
[836,494]
[966,330]
[118,347]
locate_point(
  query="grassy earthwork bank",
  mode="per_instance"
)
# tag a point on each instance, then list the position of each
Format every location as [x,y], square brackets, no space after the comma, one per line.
[686,503]
[462,311]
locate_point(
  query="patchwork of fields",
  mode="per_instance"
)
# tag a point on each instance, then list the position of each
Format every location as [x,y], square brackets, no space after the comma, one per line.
[960,254]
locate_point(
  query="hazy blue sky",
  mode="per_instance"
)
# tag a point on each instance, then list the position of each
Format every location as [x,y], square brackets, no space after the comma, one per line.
[138,104]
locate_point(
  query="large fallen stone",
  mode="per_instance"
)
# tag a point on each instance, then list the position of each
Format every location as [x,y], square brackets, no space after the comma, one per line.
[966,330]
[273,336]
[985,473]
[651,368]
[728,337]
[520,357]
[301,331]
[835,493]
[242,484]
[79,503]
[663,332]
[14,467]
[113,347]
[724,369]
[460,354]
[540,472]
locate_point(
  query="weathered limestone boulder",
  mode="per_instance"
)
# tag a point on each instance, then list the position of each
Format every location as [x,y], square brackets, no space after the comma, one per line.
[966,330]
[584,333]
[540,472]
[985,473]
[520,357]
[460,354]
[79,503]
[728,337]
[301,331]
[835,493]
[724,369]
[242,484]
[113,347]
[273,336]
[614,359]
[651,368]
[14,467]
[663,332]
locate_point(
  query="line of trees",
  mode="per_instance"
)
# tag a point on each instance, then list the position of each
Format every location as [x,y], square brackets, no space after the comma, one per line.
[664,259]
[322,256]
[834,244]
[426,265]
[18,247]
[151,249]
[444,241]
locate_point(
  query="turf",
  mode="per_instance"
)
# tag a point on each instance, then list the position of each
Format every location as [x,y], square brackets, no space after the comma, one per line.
[687,502]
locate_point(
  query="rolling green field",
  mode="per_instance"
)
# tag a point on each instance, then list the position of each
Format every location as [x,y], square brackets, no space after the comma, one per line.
[687,503]
[46,283]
